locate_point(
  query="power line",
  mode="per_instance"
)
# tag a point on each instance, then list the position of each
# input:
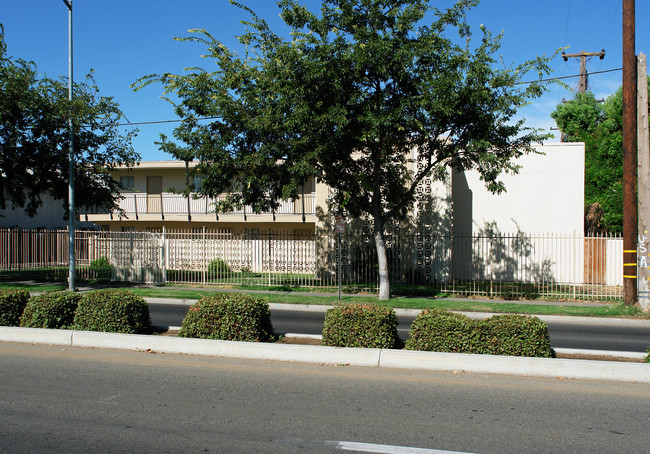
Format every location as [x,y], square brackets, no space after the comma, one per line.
[568,77]
[139,123]
[159,121]
[611,24]
[566,31]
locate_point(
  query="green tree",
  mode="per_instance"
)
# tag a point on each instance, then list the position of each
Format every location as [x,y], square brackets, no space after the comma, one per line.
[347,99]
[600,127]
[34,139]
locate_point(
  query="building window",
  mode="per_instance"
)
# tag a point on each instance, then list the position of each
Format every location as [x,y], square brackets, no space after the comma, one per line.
[198,179]
[252,234]
[127,181]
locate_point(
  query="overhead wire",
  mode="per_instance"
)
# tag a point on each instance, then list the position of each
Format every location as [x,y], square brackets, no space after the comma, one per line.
[565,44]
[178,120]
[611,24]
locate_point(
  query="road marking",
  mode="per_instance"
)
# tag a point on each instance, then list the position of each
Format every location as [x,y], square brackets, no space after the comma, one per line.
[363,447]
[388,449]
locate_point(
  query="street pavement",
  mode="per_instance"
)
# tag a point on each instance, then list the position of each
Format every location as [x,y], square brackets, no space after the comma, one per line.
[56,399]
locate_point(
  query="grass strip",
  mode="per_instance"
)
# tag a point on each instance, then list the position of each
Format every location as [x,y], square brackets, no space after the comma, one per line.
[604,310]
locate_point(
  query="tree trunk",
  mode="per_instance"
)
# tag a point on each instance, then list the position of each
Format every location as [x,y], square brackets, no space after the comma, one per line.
[382,261]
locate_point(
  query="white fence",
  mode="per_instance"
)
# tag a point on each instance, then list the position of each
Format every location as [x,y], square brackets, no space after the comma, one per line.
[518,265]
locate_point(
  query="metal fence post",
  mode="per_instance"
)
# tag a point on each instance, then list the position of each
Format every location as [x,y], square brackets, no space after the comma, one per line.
[339,267]
[205,264]
[270,264]
[163,257]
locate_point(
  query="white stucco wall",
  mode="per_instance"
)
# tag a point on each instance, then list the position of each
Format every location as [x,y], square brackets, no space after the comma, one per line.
[49,216]
[545,197]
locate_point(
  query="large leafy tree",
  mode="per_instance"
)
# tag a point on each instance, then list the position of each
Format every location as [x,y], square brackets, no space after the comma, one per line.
[600,127]
[34,139]
[357,87]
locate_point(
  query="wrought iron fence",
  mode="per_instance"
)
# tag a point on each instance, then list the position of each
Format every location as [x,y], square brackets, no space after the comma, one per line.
[496,265]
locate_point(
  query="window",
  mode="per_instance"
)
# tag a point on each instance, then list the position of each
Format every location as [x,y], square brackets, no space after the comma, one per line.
[128,182]
[197,182]
[252,234]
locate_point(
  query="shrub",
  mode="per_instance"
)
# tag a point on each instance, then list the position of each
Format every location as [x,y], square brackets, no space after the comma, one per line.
[101,264]
[218,268]
[101,269]
[647,357]
[12,304]
[358,325]
[511,335]
[50,310]
[229,316]
[438,330]
[515,335]
[112,311]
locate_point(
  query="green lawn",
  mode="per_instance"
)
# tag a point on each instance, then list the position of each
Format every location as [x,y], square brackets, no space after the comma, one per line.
[174,292]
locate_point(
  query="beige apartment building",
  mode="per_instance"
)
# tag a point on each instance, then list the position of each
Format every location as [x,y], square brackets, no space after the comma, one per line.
[149,203]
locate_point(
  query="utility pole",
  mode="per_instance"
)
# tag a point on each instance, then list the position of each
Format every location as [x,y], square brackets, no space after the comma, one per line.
[583,65]
[71,211]
[630,232]
[643,269]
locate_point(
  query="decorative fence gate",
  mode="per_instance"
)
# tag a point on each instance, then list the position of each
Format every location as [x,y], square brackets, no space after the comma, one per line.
[136,257]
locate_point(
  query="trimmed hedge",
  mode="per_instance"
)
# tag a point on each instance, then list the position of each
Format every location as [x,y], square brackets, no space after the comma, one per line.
[102,264]
[113,311]
[515,335]
[50,310]
[12,305]
[218,268]
[438,330]
[359,325]
[511,335]
[229,316]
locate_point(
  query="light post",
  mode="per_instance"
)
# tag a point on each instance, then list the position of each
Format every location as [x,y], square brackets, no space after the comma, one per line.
[71,210]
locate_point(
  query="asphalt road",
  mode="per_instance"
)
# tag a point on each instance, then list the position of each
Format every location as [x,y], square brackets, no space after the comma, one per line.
[69,400]
[595,335]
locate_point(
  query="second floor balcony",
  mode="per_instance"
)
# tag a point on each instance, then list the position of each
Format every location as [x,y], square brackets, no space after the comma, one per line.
[141,206]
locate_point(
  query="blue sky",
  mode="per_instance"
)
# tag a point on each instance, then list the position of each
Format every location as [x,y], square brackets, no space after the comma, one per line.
[123,40]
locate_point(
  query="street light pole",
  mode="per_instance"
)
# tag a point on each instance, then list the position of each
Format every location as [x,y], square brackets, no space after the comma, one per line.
[71,210]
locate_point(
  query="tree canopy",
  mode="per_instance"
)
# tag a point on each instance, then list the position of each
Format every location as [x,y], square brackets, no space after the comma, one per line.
[364,96]
[600,127]
[34,138]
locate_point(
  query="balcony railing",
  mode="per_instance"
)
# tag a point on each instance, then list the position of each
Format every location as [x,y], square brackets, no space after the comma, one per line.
[139,203]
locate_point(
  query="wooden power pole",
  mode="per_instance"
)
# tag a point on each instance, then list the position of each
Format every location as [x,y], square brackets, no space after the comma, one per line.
[583,65]
[630,232]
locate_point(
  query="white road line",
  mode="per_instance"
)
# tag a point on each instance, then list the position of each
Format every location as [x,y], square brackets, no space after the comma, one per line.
[387,449]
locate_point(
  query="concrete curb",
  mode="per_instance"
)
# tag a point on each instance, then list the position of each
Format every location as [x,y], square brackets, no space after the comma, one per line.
[367,357]
[512,365]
